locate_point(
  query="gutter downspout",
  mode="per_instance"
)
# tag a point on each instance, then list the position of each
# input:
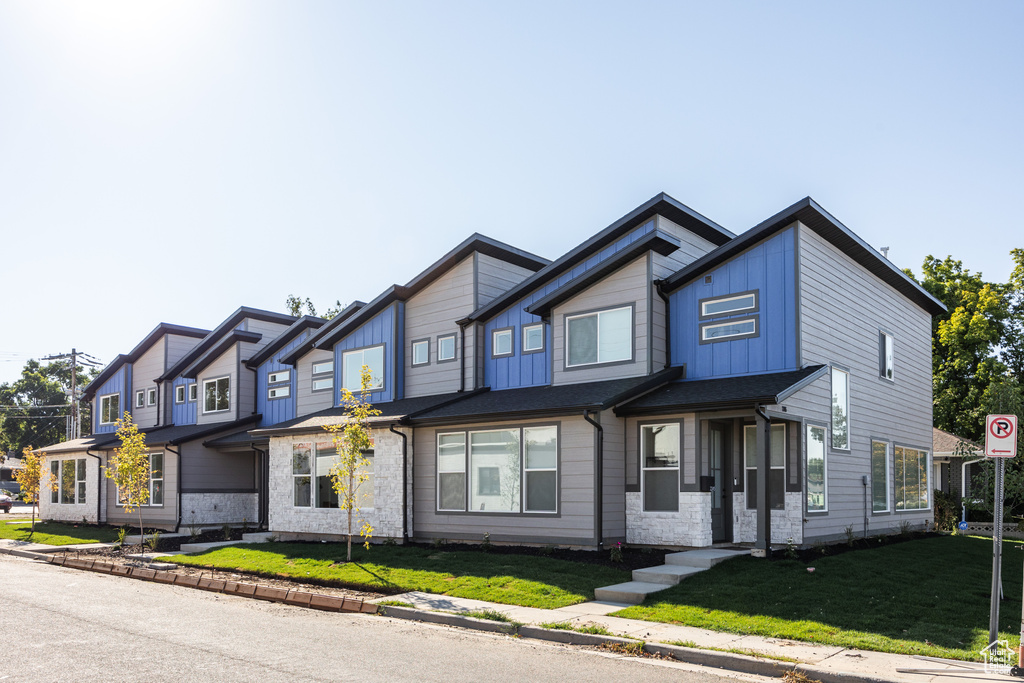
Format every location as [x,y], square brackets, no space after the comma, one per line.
[599,484]
[263,503]
[963,487]
[405,482]
[158,392]
[168,447]
[659,288]
[763,540]
[99,484]
[462,354]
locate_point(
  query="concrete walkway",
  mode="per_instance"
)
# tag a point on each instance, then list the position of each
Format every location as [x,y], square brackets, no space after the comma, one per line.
[841,663]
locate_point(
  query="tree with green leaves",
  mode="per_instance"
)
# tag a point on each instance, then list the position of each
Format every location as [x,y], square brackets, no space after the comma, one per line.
[128,467]
[23,420]
[353,439]
[30,478]
[1012,352]
[295,304]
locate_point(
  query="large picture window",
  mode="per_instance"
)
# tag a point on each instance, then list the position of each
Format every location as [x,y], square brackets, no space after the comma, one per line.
[110,408]
[156,481]
[817,473]
[216,395]
[602,337]
[312,484]
[777,465]
[879,476]
[659,453]
[911,478]
[70,478]
[840,409]
[352,367]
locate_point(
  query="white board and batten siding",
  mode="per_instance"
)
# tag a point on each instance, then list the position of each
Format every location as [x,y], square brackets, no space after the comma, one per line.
[842,309]
[144,373]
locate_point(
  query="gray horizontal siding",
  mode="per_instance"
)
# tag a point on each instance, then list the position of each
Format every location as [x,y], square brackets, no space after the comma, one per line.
[225,365]
[307,401]
[206,469]
[162,515]
[495,277]
[144,371]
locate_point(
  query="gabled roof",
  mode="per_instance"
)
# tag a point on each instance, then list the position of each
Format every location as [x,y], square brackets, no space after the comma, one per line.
[215,351]
[97,441]
[338,328]
[727,392]
[944,443]
[152,338]
[224,328]
[561,399]
[302,349]
[657,241]
[810,213]
[661,204]
[268,351]
[172,435]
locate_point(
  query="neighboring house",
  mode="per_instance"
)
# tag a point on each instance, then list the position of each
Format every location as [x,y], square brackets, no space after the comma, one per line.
[955,462]
[665,382]
[10,465]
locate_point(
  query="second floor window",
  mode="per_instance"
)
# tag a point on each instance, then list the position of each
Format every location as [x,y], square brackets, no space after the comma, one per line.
[533,338]
[886,364]
[193,392]
[151,397]
[323,376]
[110,408]
[601,337]
[140,398]
[421,352]
[446,348]
[352,365]
[840,409]
[216,395]
[179,393]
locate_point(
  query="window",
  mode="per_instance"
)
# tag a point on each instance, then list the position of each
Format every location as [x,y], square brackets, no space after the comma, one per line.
[306,470]
[193,392]
[533,338]
[879,476]
[886,367]
[279,377]
[509,470]
[179,393]
[659,453]
[67,482]
[743,328]
[777,465]
[728,305]
[140,399]
[301,471]
[446,348]
[323,376]
[217,395]
[817,485]
[352,363]
[279,392]
[603,337]
[80,479]
[840,409]
[420,352]
[156,479]
[911,477]
[151,397]
[110,408]
[70,478]
[326,457]
[55,476]
[501,343]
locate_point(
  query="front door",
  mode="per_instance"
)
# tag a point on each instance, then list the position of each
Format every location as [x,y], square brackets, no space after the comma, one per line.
[719,464]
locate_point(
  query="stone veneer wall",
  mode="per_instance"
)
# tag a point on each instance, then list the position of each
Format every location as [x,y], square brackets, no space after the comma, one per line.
[219,508]
[786,524]
[70,513]
[290,522]
[691,526]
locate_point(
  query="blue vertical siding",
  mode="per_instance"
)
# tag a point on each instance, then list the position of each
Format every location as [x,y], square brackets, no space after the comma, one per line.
[119,383]
[279,409]
[534,369]
[380,329]
[768,267]
[183,413]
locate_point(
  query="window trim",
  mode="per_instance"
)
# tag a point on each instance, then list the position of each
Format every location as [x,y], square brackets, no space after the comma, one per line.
[928,472]
[756,332]
[180,392]
[511,341]
[889,454]
[824,465]
[384,366]
[313,476]
[151,397]
[57,494]
[883,365]
[412,352]
[193,392]
[756,308]
[455,348]
[140,398]
[312,455]
[597,312]
[287,377]
[831,393]
[643,468]
[315,376]
[214,380]
[272,396]
[785,458]
[543,338]
[437,471]
[149,503]
[103,398]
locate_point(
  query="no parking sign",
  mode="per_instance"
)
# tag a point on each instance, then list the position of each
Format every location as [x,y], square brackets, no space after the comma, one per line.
[1001,436]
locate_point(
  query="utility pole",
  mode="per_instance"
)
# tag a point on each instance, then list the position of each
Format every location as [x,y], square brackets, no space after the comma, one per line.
[74,427]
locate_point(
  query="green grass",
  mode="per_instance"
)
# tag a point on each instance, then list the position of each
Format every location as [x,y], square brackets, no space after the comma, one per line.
[58,533]
[490,615]
[496,577]
[924,597]
[592,629]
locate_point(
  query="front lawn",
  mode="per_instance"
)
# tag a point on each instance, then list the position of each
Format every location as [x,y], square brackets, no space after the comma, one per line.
[530,581]
[927,597]
[58,533]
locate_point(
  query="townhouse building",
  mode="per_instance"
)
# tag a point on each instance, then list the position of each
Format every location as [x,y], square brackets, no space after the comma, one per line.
[665,382]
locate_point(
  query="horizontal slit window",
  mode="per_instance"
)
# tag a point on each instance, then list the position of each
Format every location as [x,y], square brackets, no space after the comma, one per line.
[728,305]
[728,330]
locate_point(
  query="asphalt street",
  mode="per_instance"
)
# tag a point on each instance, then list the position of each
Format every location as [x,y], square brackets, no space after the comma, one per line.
[69,625]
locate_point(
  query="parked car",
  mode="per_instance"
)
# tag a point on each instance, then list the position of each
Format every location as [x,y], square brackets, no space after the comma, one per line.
[6,502]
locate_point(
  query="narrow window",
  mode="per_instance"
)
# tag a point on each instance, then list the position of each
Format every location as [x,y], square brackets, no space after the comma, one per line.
[352,366]
[364,495]
[140,399]
[301,469]
[110,408]
[817,486]
[777,465]
[217,395]
[540,465]
[279,392]
[156,479]
[495,450]
[533,338]
[80,480]
[179,393]
[446,348]
[326,457]
[501,343]
[879,476]
[279,377]
[603,337]
[421,352]
[728,305]
[840,409]
[55,477]
[886,365]
[451,471]
[911,477]
[67,482]
[659,453]
[193,392]
[323,376]
[743,328]
[151,397]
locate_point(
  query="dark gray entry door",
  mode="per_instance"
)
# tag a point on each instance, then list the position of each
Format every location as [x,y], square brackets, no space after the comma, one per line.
[719,463]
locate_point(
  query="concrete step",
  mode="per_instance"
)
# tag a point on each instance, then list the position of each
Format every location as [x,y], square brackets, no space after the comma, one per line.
[668,574]
[200,547]
[704,558]
[630,593]
[257,537]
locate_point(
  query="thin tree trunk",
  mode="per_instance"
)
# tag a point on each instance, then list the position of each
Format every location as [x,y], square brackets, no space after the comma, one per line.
[33,530]
[142,532]
[349,501]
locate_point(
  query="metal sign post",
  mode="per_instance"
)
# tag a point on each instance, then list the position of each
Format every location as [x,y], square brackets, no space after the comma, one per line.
[1000,443]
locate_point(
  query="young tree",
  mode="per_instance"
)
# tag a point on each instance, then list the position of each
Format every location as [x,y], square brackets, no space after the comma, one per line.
[30,478]
[352,439]
[129,469]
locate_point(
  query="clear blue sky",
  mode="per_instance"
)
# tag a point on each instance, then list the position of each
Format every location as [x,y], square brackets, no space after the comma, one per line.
[172,161]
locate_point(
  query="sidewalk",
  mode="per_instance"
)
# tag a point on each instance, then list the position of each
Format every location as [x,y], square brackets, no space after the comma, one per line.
[730,650]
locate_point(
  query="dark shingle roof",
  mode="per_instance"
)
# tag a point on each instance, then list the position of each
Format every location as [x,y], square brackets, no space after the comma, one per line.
[944,443]
[97,441]
[728,392]
[239,438]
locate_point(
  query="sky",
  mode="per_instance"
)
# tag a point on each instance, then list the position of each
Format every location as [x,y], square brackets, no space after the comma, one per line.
[172,161]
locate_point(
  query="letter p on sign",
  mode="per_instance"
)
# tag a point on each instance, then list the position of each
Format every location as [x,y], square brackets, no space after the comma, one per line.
[1001,436]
